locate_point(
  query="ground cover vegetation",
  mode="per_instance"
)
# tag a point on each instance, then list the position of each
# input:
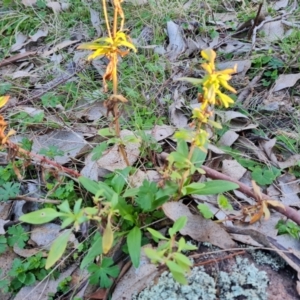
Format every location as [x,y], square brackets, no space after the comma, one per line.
[167,130]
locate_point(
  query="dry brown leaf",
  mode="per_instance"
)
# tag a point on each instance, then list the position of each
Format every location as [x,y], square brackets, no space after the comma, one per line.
[71,143]
[177,44]
[233,169]
[95,19]
[198,228]
[290,162]
[58,47]
[228,138]
[40,33]
[29,2]
[135,280]
[273,31]
[161,132]
[285,81]
[55,6]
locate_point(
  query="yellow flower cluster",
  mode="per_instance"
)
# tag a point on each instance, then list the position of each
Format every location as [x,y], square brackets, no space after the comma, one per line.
[214,80]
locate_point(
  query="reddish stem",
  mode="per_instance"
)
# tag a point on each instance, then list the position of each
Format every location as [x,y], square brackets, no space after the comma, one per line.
[289,212]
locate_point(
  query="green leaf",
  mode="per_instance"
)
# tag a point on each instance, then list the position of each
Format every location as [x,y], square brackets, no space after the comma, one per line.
[94,251]
[64,207]
[265,176]
[96,187]
[205,211]
[182,148]
[98,151]
[17,235]
[89,185]
[130,192]
[153,255]
[146,195]
[3,244]
[173,267]
[41,216]
[178,225]
[29,279]
[156,234]
[101,273]
[9,190]
[182,259]
[216,187]
[179,277]
[224,203]
[134,239]
[57,249]
[198,157]
[192,188]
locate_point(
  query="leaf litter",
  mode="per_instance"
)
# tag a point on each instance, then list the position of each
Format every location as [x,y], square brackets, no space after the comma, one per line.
[180,43]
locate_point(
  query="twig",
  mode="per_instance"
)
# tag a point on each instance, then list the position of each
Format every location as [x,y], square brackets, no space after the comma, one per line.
[289,212]
[16,57]
[42,159]
[209,261]
[32,199]
[256,20]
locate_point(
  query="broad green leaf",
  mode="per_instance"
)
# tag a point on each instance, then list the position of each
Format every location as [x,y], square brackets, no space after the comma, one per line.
[178,225]
[94,187]
[205,211]
[179,257]
[105,132]
[77,206]
[179,277]
[64,207]
[216,187]
[89,185]
[173,267]
[198,157]
[57,249]
[182,148]
[3,244]
[134,239]
[152,254]
[41,216]
[94,251]
[156,234]
[98,151]
[192,188]
[130,192]
[29,279]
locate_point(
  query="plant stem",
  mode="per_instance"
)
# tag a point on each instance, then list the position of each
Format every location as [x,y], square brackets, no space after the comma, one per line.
[106,18]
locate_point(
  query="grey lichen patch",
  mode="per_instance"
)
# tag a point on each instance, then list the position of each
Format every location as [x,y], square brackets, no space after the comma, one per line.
[273,260]
[200,286]
[245,281]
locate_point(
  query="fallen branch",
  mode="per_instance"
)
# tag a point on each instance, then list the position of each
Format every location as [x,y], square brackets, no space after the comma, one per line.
[289,212]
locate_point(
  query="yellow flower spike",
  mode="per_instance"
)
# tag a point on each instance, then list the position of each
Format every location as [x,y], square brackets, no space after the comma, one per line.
[107,46]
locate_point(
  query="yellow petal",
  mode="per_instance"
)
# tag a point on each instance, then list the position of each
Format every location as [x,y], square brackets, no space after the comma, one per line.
[256,190]
[225,85]
[276,203]
[208,68]
[266,210]
[226,100]
[209,55]
[3,100]
[97,53]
